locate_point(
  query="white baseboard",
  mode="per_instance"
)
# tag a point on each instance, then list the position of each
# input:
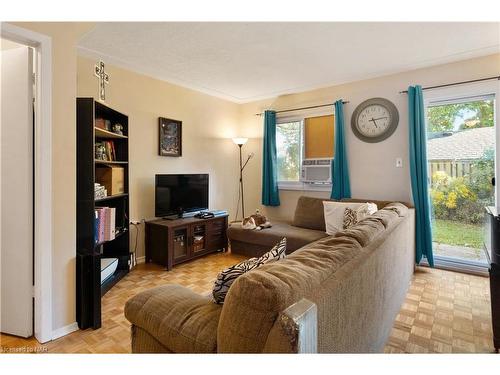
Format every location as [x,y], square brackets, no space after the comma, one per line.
[63,331]
[141,260]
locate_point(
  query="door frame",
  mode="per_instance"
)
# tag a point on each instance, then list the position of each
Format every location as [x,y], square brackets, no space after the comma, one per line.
[42,167]
[470,90]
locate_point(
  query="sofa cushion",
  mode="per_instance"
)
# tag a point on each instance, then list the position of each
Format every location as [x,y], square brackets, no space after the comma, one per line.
[387,217]
[399,208]
[365,231]
[295,237]
[309,213]
[380,204]
[180,319]
[227,277]
[265,292]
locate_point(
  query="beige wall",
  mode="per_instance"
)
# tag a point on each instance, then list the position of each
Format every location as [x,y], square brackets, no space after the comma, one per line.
[64,38]
[373,171]
[208,124]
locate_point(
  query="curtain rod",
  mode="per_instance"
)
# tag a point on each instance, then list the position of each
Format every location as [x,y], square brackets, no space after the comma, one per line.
[455,83]
[298,109]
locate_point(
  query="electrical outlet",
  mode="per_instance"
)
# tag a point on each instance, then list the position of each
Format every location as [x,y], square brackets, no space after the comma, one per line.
[136,222]
[399,162]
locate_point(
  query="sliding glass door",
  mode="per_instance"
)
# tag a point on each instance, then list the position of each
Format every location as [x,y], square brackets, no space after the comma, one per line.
[462,141]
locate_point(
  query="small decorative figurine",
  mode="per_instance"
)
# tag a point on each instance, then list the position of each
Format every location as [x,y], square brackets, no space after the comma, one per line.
[117,128]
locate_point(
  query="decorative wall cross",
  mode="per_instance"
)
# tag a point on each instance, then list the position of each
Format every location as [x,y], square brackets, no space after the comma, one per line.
[103,79]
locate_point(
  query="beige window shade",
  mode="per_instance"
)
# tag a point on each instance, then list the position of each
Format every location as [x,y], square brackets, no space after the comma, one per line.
[318,137]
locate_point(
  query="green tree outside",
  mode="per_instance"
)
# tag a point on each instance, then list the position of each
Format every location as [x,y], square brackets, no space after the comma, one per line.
[288,143]
[477,114]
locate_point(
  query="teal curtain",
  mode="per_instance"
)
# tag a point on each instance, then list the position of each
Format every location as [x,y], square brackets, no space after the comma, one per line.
[341,187]
[270,192]
[418,174]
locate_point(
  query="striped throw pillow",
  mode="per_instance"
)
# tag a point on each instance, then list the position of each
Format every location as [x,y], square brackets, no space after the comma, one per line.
[227,277]
[350,218]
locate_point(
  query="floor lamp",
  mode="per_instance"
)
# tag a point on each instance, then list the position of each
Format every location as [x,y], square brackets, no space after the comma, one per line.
[240,142]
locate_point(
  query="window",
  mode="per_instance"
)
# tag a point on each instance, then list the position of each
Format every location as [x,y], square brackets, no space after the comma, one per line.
[289,150]
[298,139]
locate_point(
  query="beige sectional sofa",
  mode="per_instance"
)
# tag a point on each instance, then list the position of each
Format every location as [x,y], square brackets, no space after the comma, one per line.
[308,225]
[357,279]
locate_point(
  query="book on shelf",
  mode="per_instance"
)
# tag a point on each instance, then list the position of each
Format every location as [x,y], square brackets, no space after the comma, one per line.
[105,225]
[102,124]
[109,224]
[100,224]
[113,152]
[96,227]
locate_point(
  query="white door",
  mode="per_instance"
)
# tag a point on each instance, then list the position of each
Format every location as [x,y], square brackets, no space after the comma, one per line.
[16,160]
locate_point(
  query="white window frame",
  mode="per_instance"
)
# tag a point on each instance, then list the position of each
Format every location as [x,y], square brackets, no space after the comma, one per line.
[300,117]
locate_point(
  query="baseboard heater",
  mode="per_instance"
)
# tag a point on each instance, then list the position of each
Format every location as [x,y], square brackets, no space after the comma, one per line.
[108,268]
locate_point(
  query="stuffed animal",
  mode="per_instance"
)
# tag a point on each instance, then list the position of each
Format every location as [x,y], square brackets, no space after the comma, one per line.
[256,222]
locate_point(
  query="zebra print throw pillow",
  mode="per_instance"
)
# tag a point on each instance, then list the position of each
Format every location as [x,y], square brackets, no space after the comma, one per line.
[276,253]
[350,218]
[226,277]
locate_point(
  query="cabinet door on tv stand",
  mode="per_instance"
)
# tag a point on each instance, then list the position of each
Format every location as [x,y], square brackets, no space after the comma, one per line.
[198,238]
[179,244]
[217,239]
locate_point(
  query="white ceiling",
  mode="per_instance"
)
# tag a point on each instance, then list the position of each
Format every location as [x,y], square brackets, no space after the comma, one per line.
[243,62]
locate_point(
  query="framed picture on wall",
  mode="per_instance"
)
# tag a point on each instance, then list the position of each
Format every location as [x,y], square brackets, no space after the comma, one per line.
[170,137]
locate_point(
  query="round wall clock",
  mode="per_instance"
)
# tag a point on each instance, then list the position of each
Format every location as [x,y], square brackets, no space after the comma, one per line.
[375,120]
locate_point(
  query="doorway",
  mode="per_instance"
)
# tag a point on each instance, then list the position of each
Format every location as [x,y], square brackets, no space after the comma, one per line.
[41,176]
[17,206]
[462,141]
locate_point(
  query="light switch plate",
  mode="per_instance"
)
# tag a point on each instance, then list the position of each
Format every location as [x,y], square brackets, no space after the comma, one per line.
[399,162]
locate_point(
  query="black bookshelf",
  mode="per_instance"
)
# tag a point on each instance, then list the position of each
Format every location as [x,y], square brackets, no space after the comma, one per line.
[89,289]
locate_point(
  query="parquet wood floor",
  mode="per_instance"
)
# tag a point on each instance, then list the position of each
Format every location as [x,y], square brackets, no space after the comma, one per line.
[444,312]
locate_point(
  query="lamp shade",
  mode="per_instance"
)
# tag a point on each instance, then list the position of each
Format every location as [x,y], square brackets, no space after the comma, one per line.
[240,141]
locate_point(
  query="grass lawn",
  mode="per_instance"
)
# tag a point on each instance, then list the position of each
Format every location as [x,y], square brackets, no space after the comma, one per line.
[456,233]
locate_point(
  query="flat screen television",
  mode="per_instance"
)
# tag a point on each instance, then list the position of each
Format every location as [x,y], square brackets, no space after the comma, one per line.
[179,194]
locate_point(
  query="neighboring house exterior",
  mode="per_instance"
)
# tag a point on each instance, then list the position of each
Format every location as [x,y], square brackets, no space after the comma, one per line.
[454,152]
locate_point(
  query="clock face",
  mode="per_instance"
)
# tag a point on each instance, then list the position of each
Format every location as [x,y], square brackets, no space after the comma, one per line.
[374,120]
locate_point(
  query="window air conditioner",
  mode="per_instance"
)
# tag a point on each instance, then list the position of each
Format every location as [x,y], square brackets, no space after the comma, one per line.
[316,171]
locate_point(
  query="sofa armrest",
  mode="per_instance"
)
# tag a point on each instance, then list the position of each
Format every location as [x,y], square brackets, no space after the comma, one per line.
[295,330]
[177,317]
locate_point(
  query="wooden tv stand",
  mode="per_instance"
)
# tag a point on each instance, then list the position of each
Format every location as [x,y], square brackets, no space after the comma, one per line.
[170,242]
